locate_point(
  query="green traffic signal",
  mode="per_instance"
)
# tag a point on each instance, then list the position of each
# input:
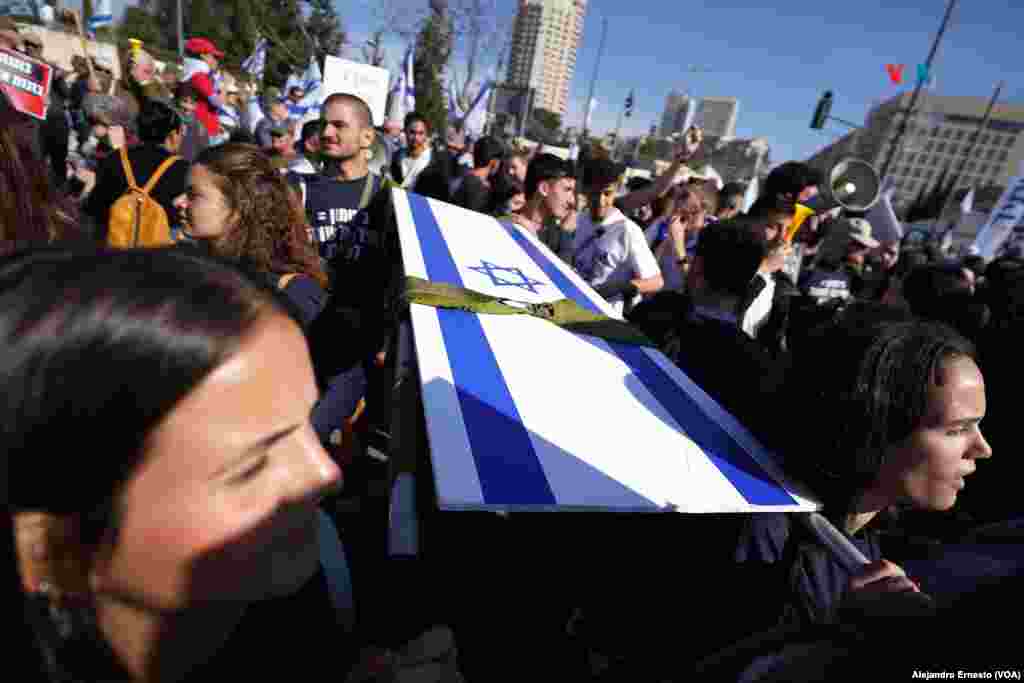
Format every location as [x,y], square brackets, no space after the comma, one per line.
[822,111]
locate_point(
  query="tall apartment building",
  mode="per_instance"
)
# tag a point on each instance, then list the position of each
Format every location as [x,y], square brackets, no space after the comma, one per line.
[545,38]
[938,137]
[717,116]
[674,116]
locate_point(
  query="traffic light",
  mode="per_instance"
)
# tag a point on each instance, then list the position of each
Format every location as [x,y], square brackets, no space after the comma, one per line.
[822,111]
[629,104]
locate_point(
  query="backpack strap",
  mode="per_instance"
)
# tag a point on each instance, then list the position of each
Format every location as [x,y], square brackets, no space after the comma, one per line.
[160,170]
[285,279]
[371,181]
[127,166]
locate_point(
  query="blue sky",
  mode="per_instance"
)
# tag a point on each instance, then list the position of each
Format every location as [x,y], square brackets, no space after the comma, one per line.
[776,57]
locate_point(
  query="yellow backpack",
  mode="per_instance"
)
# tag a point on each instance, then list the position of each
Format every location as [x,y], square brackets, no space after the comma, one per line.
[136,219]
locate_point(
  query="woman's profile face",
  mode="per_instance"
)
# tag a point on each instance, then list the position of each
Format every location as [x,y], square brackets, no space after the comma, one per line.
[223,506]
[929,468]
[204,210]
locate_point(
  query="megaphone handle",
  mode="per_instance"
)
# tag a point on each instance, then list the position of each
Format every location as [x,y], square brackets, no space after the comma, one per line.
[843,550]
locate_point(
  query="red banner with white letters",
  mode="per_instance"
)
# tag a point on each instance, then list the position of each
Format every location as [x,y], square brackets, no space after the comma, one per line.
[25,82]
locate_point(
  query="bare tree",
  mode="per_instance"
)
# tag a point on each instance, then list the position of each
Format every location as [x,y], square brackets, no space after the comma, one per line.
[478,38]
[401,18]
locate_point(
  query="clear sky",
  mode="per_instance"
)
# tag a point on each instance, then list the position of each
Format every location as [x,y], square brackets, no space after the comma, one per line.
[777,57]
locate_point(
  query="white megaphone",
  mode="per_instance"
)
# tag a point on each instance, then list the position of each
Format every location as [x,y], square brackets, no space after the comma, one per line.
[853,184]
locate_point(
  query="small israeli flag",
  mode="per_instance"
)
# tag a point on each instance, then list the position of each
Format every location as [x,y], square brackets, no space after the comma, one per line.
[102,15]
[403,94]
[311,81]
[255,63]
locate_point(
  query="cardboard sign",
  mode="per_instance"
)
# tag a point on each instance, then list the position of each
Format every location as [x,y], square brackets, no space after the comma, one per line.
[511,428]
[370,83]
[25,82]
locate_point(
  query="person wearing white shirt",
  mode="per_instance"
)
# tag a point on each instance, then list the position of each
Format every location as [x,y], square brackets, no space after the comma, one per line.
[418,155]
[610,251]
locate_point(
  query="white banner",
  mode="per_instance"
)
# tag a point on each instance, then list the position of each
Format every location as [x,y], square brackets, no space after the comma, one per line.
[362,80]
[1006,222]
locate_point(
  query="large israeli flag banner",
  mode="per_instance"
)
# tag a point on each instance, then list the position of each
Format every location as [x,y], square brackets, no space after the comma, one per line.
[523,415]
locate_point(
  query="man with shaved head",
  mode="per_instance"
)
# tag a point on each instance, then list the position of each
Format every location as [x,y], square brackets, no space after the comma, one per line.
[349,212]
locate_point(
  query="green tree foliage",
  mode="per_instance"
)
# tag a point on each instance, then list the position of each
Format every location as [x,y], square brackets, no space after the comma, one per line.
[549,120]
[139,24]
[431,56]
[648,149]
[325,28]
[235,26]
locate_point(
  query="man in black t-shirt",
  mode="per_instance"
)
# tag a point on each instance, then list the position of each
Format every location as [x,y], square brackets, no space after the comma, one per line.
[473,190]
[347,209]
[350,218]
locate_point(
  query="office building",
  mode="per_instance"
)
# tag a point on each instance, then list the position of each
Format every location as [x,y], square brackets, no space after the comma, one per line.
[938,137]
[545,38]
[717,116]
[674,116]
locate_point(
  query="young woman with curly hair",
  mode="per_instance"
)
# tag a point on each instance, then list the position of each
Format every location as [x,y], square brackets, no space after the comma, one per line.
[241,208]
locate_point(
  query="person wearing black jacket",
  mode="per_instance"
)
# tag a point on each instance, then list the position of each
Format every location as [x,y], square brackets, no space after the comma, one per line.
[421,168]
[766,304]
[707,341]
[162,130]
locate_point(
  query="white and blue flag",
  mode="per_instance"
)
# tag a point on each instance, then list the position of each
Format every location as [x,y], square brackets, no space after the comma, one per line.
[255,63]
[475,118]
[512,428]
[102,15]
[310,81]
[403,94]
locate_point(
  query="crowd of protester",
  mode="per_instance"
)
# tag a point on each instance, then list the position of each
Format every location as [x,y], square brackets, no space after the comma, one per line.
[179,416]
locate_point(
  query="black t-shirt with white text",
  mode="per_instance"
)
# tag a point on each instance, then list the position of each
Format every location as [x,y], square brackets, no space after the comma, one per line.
[358,246]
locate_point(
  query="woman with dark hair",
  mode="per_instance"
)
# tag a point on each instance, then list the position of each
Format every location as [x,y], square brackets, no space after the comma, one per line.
[190,531]
[241,208]
[879,413]
[31,209]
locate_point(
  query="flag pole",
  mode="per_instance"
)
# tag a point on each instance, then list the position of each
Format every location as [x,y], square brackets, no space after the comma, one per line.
[972,144]
[181,32]
[898,140]
[618,129]
[593,81]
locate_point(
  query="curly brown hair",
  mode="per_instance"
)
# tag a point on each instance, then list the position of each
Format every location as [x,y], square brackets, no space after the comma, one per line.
[270,232]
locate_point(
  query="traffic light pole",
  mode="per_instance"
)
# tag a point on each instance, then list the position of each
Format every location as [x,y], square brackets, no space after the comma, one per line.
[618,128]
[898,140]
[844,122]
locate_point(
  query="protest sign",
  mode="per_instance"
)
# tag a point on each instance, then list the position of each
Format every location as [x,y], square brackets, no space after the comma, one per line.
[1005,225]
[370,83]
[25,82]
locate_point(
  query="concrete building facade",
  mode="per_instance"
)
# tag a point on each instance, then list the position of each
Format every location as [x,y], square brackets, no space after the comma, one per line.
[545,38]
[717,116]
[674,115]
[938,137]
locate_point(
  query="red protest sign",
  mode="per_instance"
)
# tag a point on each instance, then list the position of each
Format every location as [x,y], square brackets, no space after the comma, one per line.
[26,82]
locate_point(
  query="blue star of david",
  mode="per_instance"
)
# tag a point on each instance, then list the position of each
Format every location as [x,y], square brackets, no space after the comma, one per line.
[521,279]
